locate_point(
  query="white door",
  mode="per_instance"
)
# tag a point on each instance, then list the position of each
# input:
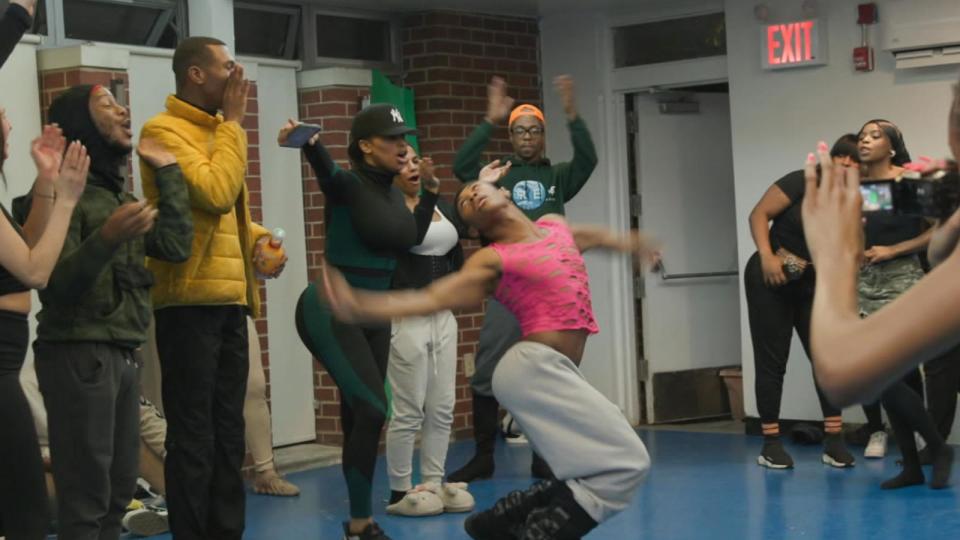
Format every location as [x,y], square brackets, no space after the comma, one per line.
[685,180]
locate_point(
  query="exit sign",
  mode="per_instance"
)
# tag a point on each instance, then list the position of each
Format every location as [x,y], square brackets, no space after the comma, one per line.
[794,44]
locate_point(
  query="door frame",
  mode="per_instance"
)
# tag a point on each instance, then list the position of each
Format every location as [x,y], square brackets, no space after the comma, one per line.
[622,85]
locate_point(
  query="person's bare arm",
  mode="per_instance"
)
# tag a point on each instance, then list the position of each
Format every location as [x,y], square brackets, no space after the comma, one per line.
[587,237]
[33,266]
[918,243]
[47,153]
[855,359]
[466,288]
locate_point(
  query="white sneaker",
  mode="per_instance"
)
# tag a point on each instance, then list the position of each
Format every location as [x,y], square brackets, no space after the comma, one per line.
[419,502]
[456,498]
[516,439]
[921,444]
[877,447]
[148,521]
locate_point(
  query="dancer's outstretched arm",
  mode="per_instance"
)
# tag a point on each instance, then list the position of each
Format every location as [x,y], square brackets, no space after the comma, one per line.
[466,288]
[587,237]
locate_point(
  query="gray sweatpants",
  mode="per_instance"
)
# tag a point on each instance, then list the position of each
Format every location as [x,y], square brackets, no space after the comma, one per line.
[499,332]
[582,435]
[423,375]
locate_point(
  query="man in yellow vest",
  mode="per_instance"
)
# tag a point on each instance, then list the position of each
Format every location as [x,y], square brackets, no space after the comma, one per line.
[201,305]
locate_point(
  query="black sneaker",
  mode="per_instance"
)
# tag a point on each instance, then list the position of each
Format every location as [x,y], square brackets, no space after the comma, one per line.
[835,452]
[372,532]
[505,520]
[774,456]
[563,519]
[479,468]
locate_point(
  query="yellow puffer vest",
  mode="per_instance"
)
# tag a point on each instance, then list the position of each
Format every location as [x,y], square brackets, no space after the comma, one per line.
[213,156]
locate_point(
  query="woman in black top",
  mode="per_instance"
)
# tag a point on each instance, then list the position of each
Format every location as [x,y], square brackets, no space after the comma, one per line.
[891,266]
[779,283]
[368,225]
[27,258]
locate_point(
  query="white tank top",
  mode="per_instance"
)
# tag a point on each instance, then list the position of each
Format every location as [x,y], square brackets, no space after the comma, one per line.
[440,239]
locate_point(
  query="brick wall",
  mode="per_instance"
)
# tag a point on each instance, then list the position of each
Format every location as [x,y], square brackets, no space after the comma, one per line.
[448,58]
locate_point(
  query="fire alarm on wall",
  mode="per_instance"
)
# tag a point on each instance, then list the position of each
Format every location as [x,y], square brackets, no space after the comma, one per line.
[863,57]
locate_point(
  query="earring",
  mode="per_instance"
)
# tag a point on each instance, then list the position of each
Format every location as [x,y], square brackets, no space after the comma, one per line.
[893,153]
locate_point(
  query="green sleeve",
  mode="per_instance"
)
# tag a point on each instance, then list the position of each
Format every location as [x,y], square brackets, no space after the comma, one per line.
[467,164]
[171,239]
[572,175]
[82,260]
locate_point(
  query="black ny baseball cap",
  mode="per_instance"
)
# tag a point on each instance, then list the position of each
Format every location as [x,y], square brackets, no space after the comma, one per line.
[380,119]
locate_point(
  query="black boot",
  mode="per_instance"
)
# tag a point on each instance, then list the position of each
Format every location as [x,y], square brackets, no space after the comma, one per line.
[562,519]
[505,520]
[485,409]
[540,469]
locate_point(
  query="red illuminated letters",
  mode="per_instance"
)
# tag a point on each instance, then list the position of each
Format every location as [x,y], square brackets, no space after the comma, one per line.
[790,43]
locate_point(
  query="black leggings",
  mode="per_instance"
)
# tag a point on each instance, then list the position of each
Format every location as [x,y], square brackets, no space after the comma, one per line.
[774,314]
[355,356]
[906,413]
[23,493]
[942,377]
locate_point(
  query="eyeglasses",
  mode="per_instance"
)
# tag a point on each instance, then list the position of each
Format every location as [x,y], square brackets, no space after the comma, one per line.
[534,131]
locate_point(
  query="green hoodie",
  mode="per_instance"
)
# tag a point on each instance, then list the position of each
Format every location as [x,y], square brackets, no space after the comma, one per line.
[538,188]
[99,292]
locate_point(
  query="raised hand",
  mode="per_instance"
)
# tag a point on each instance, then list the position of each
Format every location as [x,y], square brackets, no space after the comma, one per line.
[155,153]
[128,221]
[47,153]
[832,210]
[499,104]
[564,86]
[493,172]
[235,96]
[71,181]
[430,182]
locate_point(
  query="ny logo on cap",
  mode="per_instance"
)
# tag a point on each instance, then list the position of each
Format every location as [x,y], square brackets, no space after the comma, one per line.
[396,116]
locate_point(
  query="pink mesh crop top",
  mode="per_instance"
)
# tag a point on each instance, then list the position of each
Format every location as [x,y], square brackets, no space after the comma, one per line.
[544,283]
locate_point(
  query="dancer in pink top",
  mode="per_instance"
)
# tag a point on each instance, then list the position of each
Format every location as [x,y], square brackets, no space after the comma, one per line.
[536,270]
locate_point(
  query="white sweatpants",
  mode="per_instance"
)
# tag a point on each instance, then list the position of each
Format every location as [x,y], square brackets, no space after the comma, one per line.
[422,372]
[582,435]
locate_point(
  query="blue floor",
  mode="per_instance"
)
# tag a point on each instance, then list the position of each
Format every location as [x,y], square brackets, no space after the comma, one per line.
[702,485]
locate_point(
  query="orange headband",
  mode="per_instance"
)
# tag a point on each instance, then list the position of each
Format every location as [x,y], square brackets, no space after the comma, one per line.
[524,110]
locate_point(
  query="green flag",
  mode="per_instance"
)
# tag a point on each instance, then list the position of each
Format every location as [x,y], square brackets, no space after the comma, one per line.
[384,91]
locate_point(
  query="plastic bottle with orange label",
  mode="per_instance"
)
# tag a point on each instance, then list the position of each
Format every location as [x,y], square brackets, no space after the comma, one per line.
[272,253]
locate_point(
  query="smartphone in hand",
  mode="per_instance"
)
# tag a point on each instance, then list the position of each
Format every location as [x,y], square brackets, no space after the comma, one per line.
[300,135]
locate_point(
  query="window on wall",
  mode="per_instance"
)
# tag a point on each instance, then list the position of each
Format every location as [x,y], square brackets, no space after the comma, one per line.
[267,29]
[671,40]
[152,23]
[342,38]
